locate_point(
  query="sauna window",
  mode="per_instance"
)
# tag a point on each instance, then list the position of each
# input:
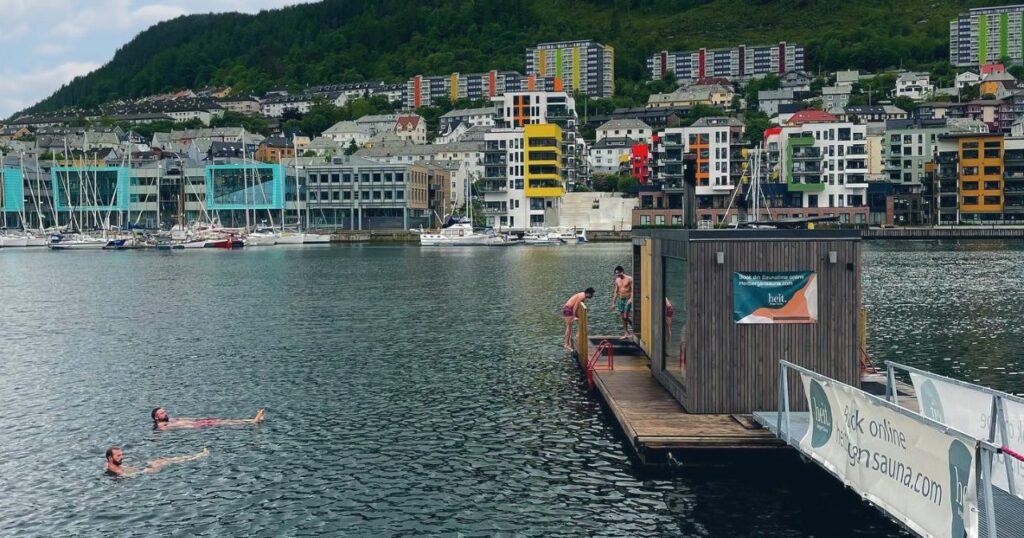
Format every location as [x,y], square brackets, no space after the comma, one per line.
[674,318]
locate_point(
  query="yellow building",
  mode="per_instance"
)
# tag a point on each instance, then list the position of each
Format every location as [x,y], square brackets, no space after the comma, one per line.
[543,160]
[981,173]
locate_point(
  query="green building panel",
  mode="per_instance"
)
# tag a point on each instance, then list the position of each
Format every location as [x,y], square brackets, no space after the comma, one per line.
[982,39]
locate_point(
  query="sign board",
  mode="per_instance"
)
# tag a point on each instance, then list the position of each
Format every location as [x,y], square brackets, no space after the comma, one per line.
[970,410]
[775,297]
[909,468]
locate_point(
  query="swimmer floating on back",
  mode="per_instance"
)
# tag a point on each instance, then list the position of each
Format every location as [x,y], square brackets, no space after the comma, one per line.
[163,422]
[115,457]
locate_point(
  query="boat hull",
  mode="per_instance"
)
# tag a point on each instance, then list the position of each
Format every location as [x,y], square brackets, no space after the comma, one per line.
[316,239]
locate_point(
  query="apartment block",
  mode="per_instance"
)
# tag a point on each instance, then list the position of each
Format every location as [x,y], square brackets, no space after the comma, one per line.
[529,157]
[578,66]
[970,177]
[909,145]
[423,90]
[986,35]
[824,168]
[737,62]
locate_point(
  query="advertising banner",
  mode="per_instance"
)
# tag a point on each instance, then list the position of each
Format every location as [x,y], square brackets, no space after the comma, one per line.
[916,473]
[779,297]
[970,411]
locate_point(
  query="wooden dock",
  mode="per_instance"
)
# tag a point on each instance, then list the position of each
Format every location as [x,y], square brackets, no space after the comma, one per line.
[653,421]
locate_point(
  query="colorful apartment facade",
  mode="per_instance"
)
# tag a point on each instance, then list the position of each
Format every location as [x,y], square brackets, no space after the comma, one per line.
[980,178]
[986,35]
[529,157]
[737,62]
[578,66]
[423,90]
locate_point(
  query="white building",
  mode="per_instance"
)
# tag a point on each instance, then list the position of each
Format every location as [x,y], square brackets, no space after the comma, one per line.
[472,117]
[836,97]
[607,154]
[916,86]
[627,128]
[826,164]
[412,128]
[967,79]
[348,132]
[275,107]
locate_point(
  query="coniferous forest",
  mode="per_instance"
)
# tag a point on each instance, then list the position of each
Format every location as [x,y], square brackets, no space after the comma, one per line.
[391,40]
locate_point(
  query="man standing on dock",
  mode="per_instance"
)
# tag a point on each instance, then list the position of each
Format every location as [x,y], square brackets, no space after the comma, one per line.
[570,312]
[622,299]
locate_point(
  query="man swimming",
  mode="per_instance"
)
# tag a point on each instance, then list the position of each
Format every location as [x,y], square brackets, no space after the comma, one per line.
[163,422]
[115,459]
[622,299]
[570,312]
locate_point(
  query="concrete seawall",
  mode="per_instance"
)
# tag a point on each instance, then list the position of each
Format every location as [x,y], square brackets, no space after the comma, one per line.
[401,236]
[946,232]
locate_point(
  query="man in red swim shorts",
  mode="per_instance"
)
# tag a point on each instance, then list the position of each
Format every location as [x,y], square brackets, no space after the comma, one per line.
[161,421]
[570,312]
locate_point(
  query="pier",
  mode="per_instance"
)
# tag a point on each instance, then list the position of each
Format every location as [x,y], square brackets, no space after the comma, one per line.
[654,423]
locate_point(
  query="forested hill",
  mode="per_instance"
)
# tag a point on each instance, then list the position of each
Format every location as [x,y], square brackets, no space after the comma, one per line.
[390,40]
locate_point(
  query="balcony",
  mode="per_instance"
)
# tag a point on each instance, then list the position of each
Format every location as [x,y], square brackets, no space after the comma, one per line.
[494,186]
[491,210]
[805,153]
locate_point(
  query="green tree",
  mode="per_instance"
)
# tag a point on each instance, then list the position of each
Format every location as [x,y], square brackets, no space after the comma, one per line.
[755,122]
[605,182]
[627,184]
[352,147]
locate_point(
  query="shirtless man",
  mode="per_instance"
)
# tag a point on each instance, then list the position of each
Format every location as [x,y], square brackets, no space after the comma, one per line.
[163,422]
[570,312]
[115,457]
[622,299]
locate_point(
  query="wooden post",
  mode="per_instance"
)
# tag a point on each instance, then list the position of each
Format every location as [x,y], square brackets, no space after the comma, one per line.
[582,337]
[862,329]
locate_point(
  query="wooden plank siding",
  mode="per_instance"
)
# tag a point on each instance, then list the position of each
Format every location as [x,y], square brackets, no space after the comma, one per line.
[733,368]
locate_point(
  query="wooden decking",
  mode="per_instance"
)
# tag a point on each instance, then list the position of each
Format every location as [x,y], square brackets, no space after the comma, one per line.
[654,422]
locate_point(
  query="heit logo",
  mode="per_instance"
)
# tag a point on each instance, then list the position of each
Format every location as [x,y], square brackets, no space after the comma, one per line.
[821,416]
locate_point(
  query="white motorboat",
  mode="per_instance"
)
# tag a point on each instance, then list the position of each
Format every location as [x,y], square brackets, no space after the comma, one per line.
[37,241]
[542,236]
[568,235]
[462,233]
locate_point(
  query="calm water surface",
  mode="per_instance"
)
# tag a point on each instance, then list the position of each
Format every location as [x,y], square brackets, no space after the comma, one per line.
[408,392]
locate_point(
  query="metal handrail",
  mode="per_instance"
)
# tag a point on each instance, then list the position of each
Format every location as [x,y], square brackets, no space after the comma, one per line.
[604,346]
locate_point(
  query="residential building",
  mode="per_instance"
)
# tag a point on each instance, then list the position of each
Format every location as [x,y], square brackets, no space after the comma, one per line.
[823,166]
[716,149]
[469,116]
[911,145]
[276,106]
[997,84]
[1013,179]
[834,98]
[966,79]
[581,66]
[347,133]
[423,90]
[655,117]
[971,178]
[689,96]
[848,78]
[871,113]
[523,182]
[412,128]
[275,150]
[378,123]
[810,116]
[8,134]
[914,85]
[768,101]
[636,130]
[986,34]
[359,194]
[735,63]
[518,109]
[610,154]
[242,104]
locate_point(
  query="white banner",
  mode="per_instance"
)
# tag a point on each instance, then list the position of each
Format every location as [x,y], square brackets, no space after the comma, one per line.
[919,475]
[970,411]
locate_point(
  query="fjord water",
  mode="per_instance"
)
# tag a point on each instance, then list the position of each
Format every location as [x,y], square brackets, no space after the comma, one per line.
[408,392]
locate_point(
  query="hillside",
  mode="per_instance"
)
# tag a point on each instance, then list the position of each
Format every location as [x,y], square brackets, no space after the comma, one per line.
[354,40]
